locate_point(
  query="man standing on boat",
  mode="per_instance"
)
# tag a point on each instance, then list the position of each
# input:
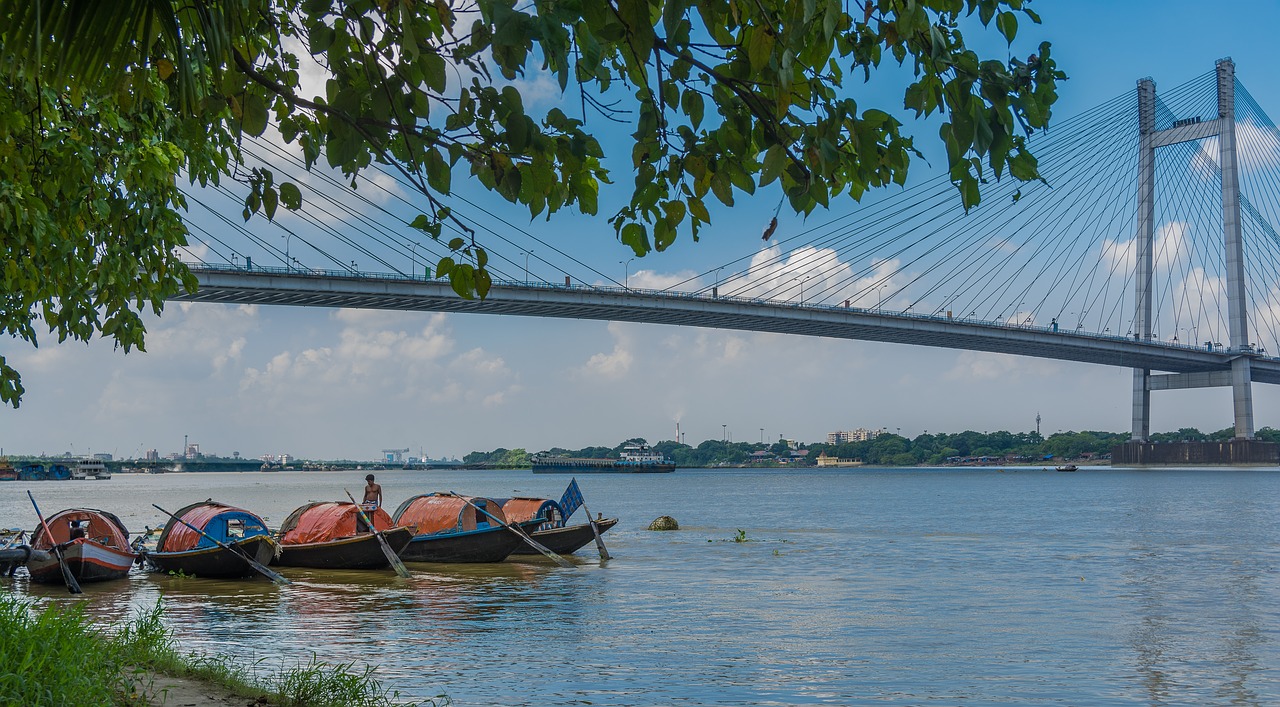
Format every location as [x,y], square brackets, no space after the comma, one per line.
[372,500]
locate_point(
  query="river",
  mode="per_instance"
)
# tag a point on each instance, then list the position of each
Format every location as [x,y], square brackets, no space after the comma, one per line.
[853,586]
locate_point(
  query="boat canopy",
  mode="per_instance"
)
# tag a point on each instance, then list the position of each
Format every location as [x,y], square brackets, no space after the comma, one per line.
[225,523]
[323,521]
[99,526]
[436,513]
[520,510]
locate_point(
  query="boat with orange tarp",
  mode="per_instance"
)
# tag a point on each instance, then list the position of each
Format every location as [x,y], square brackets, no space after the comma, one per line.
[94,543]
[330,535]
[182,549]
[448,529]
[551,529]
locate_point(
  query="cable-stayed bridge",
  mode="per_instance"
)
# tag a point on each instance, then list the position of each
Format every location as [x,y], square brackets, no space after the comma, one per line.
[1149,245]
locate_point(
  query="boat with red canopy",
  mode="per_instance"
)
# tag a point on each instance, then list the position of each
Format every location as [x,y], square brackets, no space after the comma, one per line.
[242,535]
[330,535]
[552,530]
[449,529]
[94,543]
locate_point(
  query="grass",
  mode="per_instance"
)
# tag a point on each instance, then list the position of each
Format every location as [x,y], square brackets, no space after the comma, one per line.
[54,655]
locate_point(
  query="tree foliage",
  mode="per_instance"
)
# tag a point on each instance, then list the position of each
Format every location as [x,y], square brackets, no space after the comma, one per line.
[725,97]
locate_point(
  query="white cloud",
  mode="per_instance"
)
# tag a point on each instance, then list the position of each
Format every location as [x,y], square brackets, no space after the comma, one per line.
[1169,248]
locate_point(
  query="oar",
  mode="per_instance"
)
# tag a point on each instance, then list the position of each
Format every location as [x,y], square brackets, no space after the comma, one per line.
[523,536]
[604,554]
[392,557]
[273,576]
[72,585]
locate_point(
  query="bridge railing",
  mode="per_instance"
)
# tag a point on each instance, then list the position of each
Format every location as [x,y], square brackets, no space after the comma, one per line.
[697,296]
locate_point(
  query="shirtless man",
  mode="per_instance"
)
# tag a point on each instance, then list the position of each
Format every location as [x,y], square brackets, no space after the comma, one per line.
[372,494]
[372,501]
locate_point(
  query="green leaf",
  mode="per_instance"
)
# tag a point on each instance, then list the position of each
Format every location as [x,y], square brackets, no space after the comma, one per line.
[269,202]
[290,196]
[254,121]
[635,235]
[1007,23]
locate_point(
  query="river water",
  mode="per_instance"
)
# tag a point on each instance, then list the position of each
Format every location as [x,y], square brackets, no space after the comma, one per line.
[884,587]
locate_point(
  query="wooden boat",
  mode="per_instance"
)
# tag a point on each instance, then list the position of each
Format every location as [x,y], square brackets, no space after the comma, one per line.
[553,531]
[328,535]
[182,550]
[1068,467]
[447,529]
[95,545]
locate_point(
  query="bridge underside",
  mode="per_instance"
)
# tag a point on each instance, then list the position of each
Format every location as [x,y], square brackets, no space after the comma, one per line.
[580,302]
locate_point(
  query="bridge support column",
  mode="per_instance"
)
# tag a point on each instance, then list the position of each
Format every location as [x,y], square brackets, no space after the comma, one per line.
[1237,309]
[1143,242]
[1141,405]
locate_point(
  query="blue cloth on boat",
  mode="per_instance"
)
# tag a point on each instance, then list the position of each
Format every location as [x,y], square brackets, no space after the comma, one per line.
[571,499]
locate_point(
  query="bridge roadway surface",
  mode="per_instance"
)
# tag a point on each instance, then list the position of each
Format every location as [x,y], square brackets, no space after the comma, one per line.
[277,286]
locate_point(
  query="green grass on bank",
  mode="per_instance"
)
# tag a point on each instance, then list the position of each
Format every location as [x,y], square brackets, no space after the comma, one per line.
[54,655]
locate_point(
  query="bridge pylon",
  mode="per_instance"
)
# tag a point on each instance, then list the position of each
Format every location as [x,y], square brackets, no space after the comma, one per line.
[1224,128]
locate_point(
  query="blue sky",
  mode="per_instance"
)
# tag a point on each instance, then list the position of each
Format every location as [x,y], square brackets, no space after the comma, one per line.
[325,383]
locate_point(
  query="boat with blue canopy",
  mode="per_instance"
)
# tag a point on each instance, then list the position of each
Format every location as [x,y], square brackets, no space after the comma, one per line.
[181,549]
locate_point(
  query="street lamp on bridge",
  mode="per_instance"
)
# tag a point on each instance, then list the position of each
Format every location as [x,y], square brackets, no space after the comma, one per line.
[527,253]
[626,273]
[802,281]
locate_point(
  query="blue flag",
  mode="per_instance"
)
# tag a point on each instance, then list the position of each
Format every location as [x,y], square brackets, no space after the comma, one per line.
[571,499]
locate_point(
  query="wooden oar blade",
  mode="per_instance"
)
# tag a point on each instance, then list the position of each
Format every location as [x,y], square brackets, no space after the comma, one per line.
[595,530]
[392,558]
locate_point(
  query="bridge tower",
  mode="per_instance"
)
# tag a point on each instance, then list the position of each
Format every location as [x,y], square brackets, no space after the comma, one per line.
[1224,128]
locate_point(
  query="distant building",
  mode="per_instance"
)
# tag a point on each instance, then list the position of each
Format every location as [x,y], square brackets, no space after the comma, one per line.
[193,451]
[861,434]
[102,457]
[285,459]
[826,461]
[152,455]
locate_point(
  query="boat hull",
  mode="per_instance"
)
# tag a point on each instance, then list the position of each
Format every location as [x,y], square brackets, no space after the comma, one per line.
[88,561]
[360,552]
[566,540]
[216,562]
[485,545]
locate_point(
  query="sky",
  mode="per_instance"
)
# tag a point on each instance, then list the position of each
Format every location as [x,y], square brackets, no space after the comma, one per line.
[322,383]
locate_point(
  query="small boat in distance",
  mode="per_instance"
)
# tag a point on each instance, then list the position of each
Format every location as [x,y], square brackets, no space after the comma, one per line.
[553,531]
[448,529]
[330,535]
[182,550]
[634,459]
[90,469]
[1067,467]
[94,543]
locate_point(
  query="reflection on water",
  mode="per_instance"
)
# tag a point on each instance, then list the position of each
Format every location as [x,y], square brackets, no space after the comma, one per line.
[853,587]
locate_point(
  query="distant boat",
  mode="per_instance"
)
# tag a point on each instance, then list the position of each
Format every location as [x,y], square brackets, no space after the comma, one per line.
[635,459]
[182,550]
[553,532]
[90,469]
[328,535]
[7,472]
[1068,467]
[448,529]
[95,545]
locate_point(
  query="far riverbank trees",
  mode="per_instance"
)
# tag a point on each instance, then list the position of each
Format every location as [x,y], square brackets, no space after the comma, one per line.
[887,449]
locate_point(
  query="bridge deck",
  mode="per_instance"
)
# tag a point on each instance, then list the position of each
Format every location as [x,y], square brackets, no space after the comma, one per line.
[232,286]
